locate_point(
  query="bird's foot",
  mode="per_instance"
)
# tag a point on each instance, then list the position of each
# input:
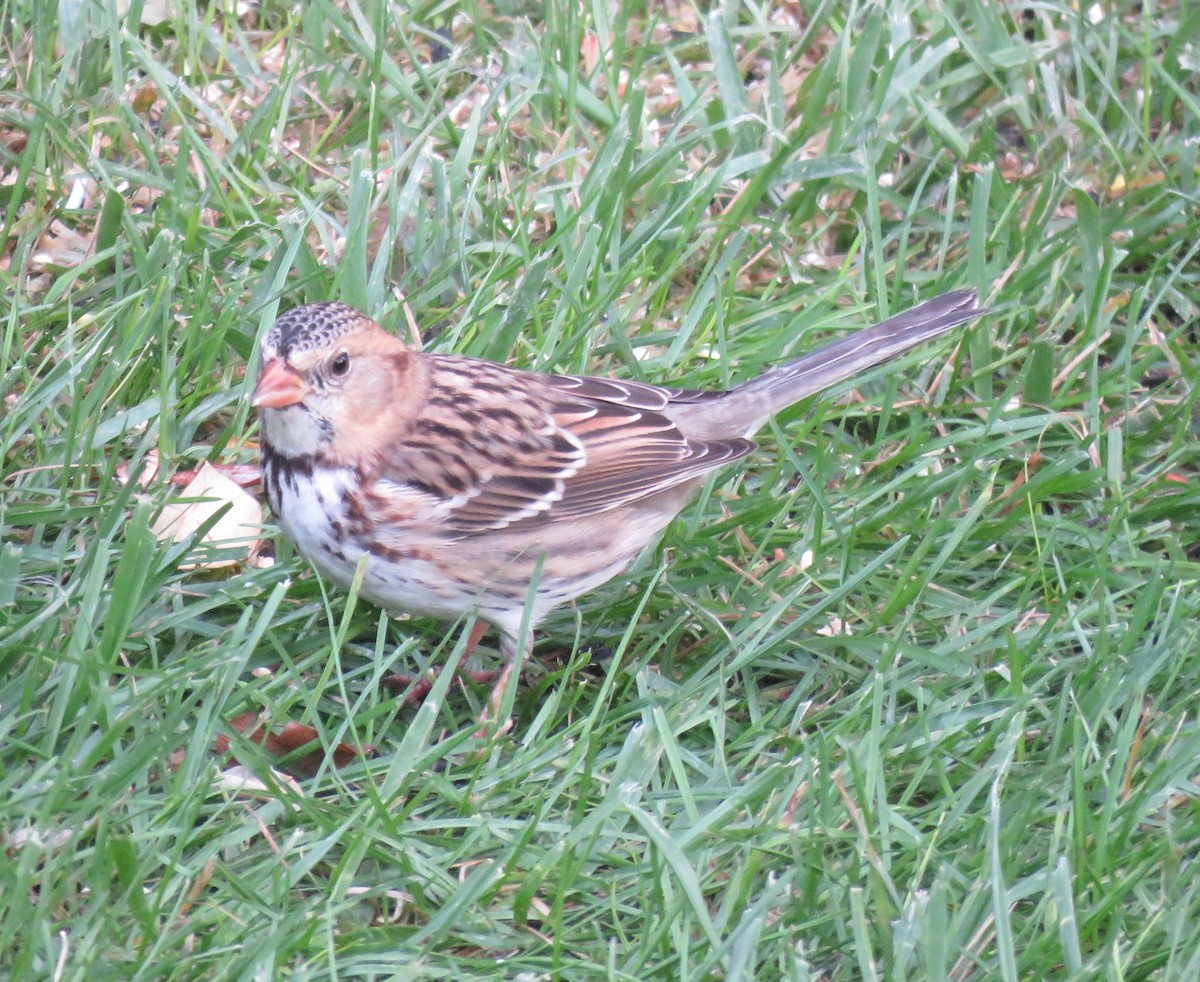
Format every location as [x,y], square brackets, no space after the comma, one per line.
[491,722]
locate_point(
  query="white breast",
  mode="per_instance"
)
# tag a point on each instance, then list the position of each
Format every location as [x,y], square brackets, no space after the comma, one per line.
[309,510]
[313,513]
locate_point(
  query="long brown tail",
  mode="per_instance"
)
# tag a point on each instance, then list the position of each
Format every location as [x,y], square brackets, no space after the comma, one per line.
[748,406]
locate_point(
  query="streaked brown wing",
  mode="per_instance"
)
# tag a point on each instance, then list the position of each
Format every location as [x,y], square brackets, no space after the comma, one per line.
[636,395]
[631,453]
[512,447]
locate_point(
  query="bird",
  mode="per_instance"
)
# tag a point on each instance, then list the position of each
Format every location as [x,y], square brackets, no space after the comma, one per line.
[463,486]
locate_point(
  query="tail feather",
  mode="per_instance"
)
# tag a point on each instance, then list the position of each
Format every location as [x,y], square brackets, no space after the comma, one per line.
[748,406]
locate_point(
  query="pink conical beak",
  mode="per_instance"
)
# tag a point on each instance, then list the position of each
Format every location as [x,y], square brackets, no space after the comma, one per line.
[278,386]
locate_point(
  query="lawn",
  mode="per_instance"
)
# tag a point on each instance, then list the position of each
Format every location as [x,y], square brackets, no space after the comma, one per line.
[910,693]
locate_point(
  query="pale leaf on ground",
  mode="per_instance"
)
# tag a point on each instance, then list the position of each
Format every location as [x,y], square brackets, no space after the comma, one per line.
[236,531]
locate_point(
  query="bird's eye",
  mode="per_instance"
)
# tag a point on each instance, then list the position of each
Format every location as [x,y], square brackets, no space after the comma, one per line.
[341,364]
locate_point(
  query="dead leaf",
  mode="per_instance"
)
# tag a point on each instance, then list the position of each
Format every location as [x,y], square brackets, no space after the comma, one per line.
[1032,465]
[60,248]
[288,741]
[154,12]
[144,98]
[239,779]
[145,474]
[243,475]
[237,531]
[590,52]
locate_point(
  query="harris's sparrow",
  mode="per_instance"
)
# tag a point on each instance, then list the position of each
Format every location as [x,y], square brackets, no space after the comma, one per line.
[473,487]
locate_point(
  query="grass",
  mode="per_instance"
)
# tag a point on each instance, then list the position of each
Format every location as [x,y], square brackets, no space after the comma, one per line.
[911,696]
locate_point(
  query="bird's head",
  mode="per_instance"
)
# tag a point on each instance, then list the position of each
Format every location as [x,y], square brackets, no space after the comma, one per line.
[330,381]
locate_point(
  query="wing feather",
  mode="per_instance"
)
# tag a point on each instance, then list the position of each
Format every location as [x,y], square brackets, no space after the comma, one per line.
[497,448]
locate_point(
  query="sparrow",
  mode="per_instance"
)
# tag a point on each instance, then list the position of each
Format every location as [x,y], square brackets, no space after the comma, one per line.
[472,487]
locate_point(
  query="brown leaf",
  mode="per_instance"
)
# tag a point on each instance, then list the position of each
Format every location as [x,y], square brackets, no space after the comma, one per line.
[60,248]
[1120,186]
[590,52]
[243,475]
[287,743]
[144,98]
[145,475]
